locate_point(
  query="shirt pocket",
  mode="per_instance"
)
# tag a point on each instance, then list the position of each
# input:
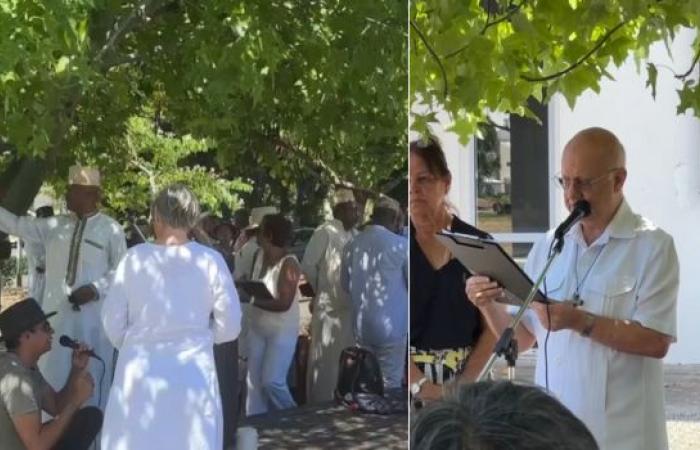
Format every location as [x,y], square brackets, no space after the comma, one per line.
[618,296]
[93,250]
[555,286]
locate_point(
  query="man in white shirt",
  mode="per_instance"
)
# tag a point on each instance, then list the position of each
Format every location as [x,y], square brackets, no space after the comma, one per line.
[375,273]
[604,358]
[331,319]
[82,250]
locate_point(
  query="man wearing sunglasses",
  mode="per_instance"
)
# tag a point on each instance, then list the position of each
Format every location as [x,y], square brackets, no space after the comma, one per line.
[602,359]
[24,393]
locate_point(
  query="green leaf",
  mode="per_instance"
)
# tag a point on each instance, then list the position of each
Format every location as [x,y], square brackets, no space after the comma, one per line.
[651,79]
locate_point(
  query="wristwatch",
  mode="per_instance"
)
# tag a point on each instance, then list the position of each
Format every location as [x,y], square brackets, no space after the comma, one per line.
[416,387]
[588,325]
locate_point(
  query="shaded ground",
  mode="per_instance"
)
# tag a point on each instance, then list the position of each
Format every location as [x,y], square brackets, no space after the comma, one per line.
[329,427]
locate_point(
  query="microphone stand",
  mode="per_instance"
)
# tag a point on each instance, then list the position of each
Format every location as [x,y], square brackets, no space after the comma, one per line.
[507,345]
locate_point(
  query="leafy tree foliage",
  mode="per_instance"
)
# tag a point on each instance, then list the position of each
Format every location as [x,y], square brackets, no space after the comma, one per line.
[311,90]
[474,56]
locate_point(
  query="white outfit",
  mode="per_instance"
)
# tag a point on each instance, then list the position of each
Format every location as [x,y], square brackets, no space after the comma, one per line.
[168,306]
[272,341]
[634,276]
[375,273]
[78,252]
[331,319]
[36,269]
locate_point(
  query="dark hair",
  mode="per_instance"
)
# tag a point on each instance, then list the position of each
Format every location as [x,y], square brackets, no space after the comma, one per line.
[278,229]
[12,343]
[384,216]
[500,415]
[430,151]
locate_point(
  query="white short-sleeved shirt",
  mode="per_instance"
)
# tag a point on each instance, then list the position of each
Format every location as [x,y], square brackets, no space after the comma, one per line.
[633,276]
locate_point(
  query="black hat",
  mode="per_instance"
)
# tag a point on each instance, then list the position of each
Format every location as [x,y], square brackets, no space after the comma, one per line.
[20,317]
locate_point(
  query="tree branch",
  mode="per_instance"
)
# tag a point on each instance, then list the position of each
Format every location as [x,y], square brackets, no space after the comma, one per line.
[434,55]
[581,60]
[122,28]
[685,75]
[489,121]
[503,18]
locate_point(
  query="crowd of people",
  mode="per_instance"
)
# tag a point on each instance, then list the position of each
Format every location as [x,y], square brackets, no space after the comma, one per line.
[178,336]
[183,310]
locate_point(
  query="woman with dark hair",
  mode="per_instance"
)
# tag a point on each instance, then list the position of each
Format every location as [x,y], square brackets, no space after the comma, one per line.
[274,321]
[449,337]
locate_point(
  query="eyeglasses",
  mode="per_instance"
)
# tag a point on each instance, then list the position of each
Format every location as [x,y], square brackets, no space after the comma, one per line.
[584,184]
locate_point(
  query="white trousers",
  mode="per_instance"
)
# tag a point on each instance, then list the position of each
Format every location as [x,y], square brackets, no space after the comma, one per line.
[270,353]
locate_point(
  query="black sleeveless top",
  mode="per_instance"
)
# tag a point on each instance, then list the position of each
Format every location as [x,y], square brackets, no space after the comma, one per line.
[442,316]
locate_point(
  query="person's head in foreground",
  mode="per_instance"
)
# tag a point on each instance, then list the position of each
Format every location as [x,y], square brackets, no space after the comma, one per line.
[499,416]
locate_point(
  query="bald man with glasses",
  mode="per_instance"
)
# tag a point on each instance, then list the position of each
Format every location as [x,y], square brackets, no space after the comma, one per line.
[603,359]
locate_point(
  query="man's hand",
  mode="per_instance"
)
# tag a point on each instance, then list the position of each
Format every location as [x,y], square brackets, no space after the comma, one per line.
[482,291]
[83,294]
[562,316]
[80,357]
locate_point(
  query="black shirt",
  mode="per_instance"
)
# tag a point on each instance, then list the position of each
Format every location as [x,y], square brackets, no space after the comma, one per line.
[441,314]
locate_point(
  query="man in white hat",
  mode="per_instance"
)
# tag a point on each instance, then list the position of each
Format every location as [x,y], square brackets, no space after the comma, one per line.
[331,318]
[82,250]
[375,274]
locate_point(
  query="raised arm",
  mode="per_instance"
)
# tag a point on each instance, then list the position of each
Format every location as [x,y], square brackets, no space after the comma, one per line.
[28,228]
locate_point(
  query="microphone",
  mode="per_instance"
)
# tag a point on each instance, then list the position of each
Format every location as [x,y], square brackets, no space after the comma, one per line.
[70,343]
[581,209]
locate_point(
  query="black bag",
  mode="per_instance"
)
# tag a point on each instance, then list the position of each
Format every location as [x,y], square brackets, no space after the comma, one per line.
[361,386]
[359,373]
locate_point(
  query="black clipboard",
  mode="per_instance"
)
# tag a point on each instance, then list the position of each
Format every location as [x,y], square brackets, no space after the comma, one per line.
[255,289]
[486,257]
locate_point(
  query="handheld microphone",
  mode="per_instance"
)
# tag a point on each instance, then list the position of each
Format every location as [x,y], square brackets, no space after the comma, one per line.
[70,343]
[581,209]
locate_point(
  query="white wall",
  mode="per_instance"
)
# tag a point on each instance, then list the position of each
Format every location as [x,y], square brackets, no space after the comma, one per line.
[663,162]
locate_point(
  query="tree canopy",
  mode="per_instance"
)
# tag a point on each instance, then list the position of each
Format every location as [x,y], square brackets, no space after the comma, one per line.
[470,57]
[308,93]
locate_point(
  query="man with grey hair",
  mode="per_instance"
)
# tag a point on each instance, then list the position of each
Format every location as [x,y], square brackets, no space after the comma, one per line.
[375,274]
[602,359]
[83,248]
[501,415]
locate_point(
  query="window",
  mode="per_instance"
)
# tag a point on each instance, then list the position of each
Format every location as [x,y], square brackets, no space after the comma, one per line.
[512,180]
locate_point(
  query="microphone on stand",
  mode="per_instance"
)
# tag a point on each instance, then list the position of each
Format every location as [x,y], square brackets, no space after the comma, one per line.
[581,209]
[65,341]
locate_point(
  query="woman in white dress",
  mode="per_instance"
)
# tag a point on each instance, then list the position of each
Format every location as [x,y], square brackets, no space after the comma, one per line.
[171,300]
[274,322]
